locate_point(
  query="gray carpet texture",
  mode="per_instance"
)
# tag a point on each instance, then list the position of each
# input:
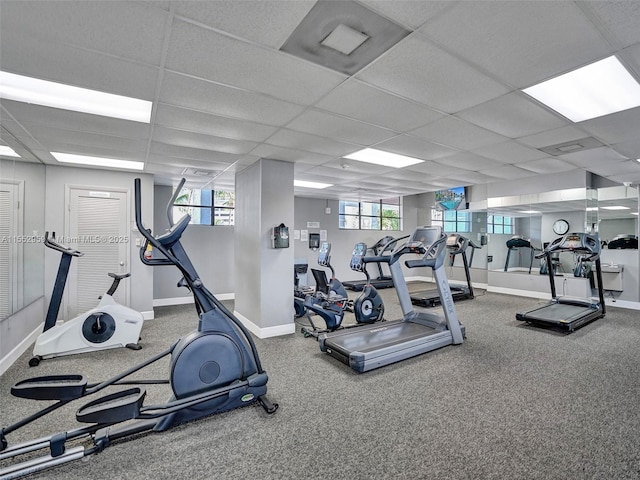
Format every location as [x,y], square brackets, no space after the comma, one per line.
[512,402]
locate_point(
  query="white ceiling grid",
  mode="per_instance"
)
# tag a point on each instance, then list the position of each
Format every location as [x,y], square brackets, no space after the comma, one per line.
[224,95]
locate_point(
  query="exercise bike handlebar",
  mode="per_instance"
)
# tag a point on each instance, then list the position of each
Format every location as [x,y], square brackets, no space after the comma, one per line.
[51,243]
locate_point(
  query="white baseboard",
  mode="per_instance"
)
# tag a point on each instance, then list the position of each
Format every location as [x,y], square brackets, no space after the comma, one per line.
[520,293]
[164,302]
[267,332]
[622,304]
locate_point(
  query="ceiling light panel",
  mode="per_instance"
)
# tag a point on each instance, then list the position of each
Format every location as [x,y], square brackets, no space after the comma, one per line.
[598,89]
[305,184]
[57,95]
[6,151]
[97,161]
[379,157]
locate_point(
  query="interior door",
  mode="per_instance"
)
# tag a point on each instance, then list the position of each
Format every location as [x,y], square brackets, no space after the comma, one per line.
[97,226]
[9,247]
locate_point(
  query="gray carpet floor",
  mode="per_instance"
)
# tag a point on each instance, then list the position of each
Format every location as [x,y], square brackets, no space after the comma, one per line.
[512,402]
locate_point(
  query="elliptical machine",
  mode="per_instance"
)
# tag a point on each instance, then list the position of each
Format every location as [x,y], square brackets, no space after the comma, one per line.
[213,369]
[331,300]
[108,325]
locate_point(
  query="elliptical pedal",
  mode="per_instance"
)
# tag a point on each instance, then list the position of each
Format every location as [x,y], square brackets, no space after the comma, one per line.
[53,387]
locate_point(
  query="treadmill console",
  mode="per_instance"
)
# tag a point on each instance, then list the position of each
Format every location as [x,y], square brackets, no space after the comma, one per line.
[576,242]
[456,243]
[324,255]
[358,253]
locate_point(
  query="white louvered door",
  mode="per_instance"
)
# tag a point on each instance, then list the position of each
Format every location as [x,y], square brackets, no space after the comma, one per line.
[97,227]
[8,248]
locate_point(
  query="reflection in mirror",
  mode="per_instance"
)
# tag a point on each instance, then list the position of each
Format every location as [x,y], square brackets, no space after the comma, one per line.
[617,211]
[22,187]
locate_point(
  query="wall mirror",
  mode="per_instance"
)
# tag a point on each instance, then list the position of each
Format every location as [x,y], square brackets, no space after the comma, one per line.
[22,187]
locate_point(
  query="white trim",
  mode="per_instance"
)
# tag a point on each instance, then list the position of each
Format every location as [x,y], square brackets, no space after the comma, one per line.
[164,302]
[11,357]
[267,332]
[148,315]
[622,304]
[417,278]
[520,293]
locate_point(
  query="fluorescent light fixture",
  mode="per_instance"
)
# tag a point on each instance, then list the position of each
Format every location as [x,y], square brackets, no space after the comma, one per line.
[634,213]
[592,91]
[305,184]
[67,97]
[592,209]
[530,211]
[615,207]
[378,157]
[344,39]
[97,161]
[6,151]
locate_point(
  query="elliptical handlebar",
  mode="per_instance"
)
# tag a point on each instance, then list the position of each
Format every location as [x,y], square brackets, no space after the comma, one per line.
[175,230]
[174,197]
[51,243]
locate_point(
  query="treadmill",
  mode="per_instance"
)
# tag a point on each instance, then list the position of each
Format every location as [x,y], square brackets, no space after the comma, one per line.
[377,345]
[385,244]
[456,245]
[516,242]
[569,313]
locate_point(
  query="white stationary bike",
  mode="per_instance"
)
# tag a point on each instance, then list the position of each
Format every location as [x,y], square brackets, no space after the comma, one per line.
[108,325]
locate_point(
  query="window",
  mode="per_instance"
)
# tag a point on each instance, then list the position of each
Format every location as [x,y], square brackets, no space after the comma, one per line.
[451,220]
[381,215]
[206,207]
[500,224]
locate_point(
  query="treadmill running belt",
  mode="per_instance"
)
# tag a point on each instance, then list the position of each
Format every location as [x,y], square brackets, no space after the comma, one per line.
[557,313]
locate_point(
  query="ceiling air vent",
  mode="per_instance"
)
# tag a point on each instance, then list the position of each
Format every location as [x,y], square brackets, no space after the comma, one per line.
[572,146]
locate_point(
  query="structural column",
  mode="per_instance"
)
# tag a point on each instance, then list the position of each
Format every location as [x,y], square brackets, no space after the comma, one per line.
[264,275]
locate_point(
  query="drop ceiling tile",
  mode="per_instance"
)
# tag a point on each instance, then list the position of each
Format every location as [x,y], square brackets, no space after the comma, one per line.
[166,150]
[35,115]
[124,29]
[371,105]
[507,172]
[629,149]
[206,123]
[183,163]
[260,70]
[183,91]
[521,43]
[47,136]
[311,143]
[268,22]
[554,136]
[339,128]
[631,167]
[547,165]
[433,169]
[468,161]
[473,178]
[620,18]
[633,177]
[181,138]
[408,12]
[340,175]
[290,154]
[510,152]
[420,71]
[82,68]
[615,128]
[513,116]
[360,167]
[457,133]
[593,157]
[416,147]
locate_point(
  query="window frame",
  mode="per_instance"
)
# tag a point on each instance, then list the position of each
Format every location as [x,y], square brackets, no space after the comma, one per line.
[213,210]
[379,219]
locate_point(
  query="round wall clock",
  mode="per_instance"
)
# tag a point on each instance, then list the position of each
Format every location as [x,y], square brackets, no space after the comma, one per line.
[560,226]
